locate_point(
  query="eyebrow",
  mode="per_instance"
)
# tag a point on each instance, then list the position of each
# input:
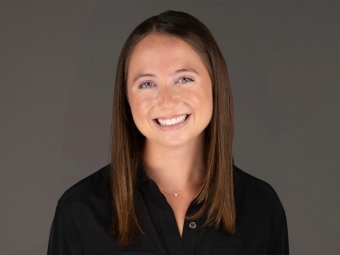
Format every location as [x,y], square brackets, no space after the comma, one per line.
[175,72]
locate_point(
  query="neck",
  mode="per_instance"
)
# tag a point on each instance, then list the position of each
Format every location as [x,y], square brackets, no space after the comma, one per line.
[177,168]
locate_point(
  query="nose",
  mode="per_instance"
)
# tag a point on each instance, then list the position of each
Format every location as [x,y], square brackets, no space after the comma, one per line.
[167,97]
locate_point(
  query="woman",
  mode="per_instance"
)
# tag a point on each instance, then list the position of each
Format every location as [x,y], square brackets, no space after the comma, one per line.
[171,186]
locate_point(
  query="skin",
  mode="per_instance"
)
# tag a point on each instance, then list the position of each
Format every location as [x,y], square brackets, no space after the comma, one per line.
[166,78]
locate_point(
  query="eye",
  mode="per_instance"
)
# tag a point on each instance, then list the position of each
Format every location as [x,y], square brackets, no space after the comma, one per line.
[185,79]
[145,85]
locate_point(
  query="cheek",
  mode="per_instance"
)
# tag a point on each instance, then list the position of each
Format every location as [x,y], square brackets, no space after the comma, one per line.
[140,106]
[201,99]
[206,107]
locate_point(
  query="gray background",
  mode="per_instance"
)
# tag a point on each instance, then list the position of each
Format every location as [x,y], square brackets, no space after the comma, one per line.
[58,61]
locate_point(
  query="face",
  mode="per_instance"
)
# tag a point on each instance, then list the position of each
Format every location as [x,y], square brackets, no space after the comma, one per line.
[169,91]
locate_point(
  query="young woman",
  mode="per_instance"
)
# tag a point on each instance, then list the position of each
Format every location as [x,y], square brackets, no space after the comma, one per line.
[171,187]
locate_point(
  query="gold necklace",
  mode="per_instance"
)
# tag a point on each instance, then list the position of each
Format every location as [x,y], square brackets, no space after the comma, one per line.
[178,193]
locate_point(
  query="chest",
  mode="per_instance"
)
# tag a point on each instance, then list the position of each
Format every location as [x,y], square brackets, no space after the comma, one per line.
[162,236]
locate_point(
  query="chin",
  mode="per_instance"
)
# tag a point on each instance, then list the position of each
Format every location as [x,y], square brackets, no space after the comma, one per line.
[172,143]
[177,142]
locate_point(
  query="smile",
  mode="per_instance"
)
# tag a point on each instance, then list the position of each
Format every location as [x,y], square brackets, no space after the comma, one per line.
[172,121]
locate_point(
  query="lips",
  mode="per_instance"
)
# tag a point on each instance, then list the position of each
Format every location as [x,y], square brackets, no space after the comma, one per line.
[166,122]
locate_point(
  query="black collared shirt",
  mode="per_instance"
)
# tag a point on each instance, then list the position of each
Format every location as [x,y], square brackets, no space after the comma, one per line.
[83,217]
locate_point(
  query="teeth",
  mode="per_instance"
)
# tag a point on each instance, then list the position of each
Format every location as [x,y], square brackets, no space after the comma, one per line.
[173,121]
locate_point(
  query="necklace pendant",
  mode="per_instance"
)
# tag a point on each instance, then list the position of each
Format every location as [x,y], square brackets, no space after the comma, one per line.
[175,194]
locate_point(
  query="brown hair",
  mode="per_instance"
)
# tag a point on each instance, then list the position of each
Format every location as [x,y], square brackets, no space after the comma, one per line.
[126,147]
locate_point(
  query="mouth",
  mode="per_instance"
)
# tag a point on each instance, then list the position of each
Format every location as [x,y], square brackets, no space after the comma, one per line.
[168,122]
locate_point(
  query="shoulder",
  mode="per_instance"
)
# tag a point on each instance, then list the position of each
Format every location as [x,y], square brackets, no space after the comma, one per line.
[255,191]
[261,216]
[86,191]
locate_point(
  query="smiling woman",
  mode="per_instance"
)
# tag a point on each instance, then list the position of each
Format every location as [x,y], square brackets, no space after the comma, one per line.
[171,186]
[177,99]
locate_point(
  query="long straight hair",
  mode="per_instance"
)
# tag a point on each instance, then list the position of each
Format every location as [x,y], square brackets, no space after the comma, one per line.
[126,145]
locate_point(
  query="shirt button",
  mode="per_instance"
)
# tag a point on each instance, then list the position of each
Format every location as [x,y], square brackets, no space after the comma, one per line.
[192,225]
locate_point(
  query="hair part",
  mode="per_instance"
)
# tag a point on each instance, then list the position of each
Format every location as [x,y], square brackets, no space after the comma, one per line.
[126,145]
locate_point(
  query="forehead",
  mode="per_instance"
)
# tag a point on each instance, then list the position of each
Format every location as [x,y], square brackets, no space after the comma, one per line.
[155,42]
[162,51]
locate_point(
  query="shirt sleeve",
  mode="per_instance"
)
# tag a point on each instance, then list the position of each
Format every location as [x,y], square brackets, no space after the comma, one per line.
[64,235]
[279,232]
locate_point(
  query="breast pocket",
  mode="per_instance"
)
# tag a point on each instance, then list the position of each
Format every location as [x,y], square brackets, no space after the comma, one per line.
[235,250]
